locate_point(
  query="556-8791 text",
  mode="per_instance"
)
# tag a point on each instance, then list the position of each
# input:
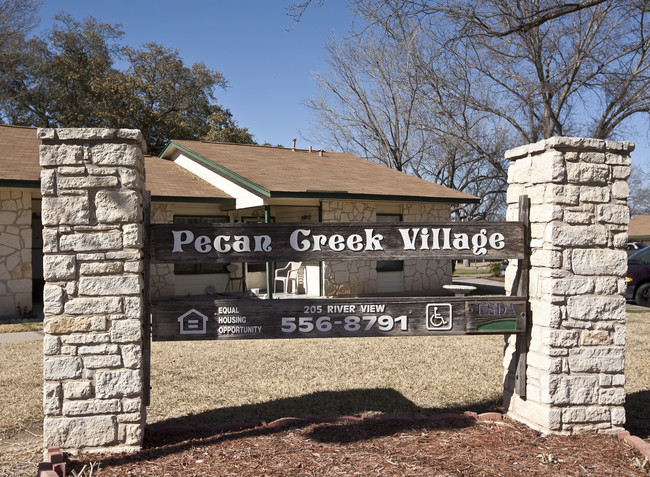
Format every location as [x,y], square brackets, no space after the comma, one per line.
[351,323]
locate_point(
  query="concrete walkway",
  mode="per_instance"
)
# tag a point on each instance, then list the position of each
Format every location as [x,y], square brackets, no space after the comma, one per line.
[21,337]
[495,286]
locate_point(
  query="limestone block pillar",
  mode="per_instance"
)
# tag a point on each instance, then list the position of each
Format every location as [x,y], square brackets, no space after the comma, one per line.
[576,358]
[92,183]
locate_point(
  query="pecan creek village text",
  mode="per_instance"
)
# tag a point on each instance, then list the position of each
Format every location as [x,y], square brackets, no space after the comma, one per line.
[302,240]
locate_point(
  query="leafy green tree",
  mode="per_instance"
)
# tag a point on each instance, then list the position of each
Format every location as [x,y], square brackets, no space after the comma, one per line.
[68,79]
[223,128]
[171,100]
[17,19]
[73,82]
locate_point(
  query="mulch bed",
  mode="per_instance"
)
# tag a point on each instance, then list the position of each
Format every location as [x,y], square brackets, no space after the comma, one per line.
[442,445]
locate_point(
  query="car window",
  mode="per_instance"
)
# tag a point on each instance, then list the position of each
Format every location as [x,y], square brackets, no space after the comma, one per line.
[642,255]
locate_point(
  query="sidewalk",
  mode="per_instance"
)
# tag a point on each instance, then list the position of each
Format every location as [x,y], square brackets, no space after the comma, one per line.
[21,337]
[494,286]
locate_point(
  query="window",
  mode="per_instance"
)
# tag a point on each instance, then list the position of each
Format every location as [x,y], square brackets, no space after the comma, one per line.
[389,265]
[205,267]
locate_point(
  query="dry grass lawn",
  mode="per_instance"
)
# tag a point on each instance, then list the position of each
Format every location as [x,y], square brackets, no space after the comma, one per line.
[243,380]
[637,374]
[21,326]
[240,380]
[21,385]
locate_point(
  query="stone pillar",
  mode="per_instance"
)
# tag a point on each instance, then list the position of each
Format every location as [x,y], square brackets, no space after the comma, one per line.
[576,359]
[92,182]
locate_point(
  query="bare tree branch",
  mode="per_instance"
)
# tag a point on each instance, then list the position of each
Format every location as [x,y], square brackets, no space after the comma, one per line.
[476,77]
[534,20]
[297,10]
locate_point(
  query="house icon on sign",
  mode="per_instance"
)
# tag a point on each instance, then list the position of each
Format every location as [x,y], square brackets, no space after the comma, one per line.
[192,323]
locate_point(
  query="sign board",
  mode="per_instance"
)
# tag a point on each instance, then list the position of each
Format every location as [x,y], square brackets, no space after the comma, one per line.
[211,319]
[232,318]
[335,241]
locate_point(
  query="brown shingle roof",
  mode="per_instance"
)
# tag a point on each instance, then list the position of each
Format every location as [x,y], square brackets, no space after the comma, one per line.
[280,170]
[167,179]
[19,162]
[19,154]
[639,227]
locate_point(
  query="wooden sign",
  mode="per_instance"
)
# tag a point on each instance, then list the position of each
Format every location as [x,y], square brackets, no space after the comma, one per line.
[335,241]
[211,319]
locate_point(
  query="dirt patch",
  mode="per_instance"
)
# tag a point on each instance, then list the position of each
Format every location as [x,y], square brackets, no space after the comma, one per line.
[447,445]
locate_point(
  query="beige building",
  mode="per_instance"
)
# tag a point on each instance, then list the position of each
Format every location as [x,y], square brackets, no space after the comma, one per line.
[197,181]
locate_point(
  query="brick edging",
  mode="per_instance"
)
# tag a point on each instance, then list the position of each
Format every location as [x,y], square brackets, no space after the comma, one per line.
[639,444]
[54,466]
[296,421]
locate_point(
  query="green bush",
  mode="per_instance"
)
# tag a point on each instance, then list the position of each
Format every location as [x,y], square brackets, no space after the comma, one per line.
[495,268]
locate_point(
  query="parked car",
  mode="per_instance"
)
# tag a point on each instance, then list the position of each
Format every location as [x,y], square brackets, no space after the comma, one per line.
[634,247]
[638,277]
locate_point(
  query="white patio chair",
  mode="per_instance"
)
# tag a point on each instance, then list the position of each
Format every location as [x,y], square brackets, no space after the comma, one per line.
[234,279]
[287,275]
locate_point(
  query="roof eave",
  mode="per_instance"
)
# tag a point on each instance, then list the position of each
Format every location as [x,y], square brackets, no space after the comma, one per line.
[20,183]
[195,200]
[242,181]
[374,197]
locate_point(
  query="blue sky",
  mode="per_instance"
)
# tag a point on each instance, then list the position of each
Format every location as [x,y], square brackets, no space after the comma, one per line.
[268,61]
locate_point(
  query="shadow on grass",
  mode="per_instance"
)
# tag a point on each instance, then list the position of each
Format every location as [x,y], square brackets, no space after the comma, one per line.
[638,417]
[321,404]
[393,412]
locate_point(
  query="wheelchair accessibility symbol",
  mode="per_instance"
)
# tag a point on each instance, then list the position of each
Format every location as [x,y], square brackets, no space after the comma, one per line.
[439,317]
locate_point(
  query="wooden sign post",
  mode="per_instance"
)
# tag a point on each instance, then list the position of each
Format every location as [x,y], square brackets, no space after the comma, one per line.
[254,318]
